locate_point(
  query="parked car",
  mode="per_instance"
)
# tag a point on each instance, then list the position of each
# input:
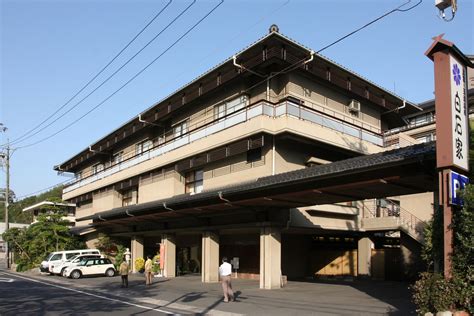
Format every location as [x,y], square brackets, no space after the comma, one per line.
[59,257]
[98,266]
[74,261]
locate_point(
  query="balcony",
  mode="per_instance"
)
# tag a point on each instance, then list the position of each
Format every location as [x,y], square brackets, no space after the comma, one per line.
[327,119]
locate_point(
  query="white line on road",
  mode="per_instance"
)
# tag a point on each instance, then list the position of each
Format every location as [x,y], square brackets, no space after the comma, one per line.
[6,280]
[90,294]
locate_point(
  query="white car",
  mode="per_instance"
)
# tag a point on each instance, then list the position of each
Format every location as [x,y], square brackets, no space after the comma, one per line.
[97,266]
[60,268]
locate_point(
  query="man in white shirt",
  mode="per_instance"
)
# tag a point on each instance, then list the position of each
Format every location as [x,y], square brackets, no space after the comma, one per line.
[225,272]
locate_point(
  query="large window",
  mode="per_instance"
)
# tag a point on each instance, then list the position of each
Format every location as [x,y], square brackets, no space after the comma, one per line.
[117,158]
[180,129]
[194,181]
[129,197]
[97,168]
[421,119]
[143,146]
[230,106]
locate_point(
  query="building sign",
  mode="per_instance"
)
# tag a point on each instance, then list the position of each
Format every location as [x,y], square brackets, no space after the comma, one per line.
[459,114]
[457,182]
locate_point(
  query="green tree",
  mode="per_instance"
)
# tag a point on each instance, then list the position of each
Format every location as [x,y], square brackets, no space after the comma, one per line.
[50,233]
[432,293]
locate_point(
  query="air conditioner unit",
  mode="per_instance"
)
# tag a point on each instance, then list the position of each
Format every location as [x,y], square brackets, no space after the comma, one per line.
[354,106]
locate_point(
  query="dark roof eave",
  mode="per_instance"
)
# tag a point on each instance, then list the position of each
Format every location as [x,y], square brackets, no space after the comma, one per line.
[363,163]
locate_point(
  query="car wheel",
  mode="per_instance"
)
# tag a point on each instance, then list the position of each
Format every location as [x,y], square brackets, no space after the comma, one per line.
[110,272]
[76,274]
[63,272]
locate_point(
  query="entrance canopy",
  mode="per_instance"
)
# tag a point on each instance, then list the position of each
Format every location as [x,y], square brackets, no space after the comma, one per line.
[407,170]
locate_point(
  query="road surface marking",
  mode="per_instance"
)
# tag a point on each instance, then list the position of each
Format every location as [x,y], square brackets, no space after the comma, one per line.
[90,294]
[5,280]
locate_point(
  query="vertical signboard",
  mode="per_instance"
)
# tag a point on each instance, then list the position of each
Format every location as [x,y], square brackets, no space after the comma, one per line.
[459,115]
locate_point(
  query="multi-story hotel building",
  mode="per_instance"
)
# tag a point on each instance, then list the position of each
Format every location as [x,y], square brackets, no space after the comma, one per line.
[278,157]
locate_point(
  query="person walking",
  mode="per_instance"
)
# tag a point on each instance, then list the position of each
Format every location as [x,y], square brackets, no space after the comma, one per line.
[124,269]
[148,270]
[225,273]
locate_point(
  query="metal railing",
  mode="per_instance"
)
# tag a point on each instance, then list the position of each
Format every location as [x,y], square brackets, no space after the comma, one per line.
[199,130]
[404,217]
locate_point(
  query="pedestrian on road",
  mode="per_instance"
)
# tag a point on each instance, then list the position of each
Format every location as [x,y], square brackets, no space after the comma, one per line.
[148,270]
[124,269]
[225,273]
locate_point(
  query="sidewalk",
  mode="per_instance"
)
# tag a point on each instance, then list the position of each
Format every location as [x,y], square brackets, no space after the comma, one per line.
[187,293]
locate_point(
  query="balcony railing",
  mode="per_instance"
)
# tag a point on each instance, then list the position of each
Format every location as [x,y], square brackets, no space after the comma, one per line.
[261,108]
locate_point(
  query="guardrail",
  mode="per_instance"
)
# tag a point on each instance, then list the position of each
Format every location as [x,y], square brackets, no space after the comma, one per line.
[261,108]
[405,218]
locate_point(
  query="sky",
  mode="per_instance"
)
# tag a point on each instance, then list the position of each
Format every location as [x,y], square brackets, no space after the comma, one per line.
[50,49]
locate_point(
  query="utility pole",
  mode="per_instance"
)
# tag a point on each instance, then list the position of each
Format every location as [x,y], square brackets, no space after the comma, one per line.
[7,197]
[6,157]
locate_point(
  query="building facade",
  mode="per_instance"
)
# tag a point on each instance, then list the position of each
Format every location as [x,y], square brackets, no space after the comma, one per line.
[274,157]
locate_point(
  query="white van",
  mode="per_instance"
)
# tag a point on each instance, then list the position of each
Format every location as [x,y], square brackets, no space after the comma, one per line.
[59,257]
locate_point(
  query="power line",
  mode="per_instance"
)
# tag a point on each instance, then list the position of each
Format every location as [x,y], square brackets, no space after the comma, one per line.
[130,80]
[115,72]
[24,196]
[95,76]
[238,35]
[298,63]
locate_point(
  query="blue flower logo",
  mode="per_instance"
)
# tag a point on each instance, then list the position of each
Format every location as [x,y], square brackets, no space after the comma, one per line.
[457,74]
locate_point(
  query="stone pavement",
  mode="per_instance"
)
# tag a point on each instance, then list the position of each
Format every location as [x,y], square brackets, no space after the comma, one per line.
[187,293]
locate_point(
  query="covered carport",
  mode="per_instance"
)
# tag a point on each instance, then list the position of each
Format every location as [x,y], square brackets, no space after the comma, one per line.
[262,207]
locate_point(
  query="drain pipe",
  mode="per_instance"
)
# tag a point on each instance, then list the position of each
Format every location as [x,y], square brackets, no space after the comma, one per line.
[401,107]
[234,59]
[311,57]
[273,156]
[167,208]
[221,197]
[145,122]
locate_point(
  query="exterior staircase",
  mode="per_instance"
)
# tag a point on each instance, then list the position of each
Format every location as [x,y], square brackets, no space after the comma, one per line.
[393,217]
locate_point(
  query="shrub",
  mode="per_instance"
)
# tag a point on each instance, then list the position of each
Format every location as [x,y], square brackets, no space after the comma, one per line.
[139,264]
[156,264]
[432,293]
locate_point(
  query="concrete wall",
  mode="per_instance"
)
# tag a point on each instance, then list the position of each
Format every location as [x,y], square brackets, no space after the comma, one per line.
[420,205]
[329,216]
[106,200]
[309,90]
[160,187]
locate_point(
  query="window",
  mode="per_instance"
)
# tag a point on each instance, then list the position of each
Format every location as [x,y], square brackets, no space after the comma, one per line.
[426,138]
[78,175]
[180,129]
[117,158]
[70,255]
[230,106]
[143,146]
[194,181]
[129,197]
[97,168]
[219,111]
[57,256]
[254,155]
[421,119]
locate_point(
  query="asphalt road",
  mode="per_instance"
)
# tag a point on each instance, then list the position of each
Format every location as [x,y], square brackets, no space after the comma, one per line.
[21,295]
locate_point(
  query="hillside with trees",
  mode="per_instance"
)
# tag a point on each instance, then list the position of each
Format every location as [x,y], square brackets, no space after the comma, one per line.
[16,215]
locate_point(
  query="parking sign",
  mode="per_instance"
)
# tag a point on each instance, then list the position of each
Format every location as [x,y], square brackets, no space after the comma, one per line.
[456,182]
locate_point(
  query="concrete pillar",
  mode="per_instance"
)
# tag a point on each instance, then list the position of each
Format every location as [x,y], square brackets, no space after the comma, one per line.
[270,258]
[136,249]
[169,244]
[364,256]
[210,258]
